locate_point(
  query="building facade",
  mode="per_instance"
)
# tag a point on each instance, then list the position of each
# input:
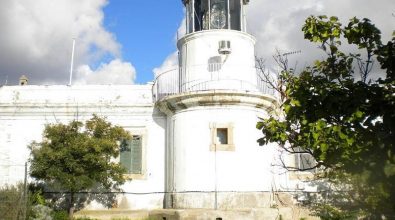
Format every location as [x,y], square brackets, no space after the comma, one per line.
[194,139]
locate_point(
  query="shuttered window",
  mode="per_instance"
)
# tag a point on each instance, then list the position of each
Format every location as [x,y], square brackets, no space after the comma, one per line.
[131,155]
[305,161]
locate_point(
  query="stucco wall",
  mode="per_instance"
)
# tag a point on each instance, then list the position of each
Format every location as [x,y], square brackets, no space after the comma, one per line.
[24,111]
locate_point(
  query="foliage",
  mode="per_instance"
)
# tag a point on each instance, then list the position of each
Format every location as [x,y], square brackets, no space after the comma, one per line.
[327,212]
[11,202]
[78,157]
[346,122]
[60,215]
[41,212]
[85,218]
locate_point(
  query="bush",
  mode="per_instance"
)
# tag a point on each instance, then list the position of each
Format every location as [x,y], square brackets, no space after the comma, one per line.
[85,218]
[60,215]
[41,212]
[12,203]
[328,212]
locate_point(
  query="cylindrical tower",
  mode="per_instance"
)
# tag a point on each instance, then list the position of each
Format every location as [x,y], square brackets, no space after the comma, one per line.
[216,53]
[212,104]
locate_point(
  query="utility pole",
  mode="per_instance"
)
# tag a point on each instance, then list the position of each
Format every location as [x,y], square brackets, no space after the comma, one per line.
[25,194]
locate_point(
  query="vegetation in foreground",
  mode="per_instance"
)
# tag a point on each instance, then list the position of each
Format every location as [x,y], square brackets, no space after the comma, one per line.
[73,160]
[341,111]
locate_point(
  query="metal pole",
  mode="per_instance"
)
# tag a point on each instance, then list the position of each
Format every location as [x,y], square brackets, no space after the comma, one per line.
[216,181]
[209,15]
[193,15]
[24,208]
[72,62]
[228,13]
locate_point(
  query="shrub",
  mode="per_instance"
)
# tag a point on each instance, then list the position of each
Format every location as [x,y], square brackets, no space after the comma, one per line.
[60,215]
[41,212]
[12,202]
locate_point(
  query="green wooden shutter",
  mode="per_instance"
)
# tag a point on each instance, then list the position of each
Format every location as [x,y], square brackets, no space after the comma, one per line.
[136,154]
[131,155]
[125,155]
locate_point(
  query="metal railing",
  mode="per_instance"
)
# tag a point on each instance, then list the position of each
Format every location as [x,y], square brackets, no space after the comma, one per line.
[214,76]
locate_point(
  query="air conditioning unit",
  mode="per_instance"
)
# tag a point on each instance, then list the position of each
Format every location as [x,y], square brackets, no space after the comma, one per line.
[224,47]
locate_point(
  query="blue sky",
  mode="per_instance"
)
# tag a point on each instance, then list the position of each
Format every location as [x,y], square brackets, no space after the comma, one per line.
[146,30]
[123,41]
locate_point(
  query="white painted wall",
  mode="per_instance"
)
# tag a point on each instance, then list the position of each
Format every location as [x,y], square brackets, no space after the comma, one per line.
[247,168]
[203,68]
[24,110]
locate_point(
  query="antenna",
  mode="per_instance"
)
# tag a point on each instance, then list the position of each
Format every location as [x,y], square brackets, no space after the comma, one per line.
[291,53]
[72,62]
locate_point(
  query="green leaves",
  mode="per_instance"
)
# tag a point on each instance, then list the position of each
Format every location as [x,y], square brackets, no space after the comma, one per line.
[347,123]
[363,33]
[76,157]
[323,30]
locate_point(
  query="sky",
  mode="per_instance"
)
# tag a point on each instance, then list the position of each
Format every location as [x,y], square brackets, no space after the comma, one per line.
[131,41]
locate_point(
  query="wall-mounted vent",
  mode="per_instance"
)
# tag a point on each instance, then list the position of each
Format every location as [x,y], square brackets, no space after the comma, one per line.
[224,47]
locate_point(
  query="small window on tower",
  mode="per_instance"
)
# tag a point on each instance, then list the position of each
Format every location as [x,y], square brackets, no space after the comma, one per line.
[222,137]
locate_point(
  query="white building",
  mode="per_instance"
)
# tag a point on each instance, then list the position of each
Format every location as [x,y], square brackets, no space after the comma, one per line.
[195,141]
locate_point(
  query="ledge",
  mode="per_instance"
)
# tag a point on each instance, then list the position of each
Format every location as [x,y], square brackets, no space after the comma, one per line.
[174,103]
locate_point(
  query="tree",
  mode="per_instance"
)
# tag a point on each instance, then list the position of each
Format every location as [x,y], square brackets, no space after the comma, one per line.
[345,120]
[78,157]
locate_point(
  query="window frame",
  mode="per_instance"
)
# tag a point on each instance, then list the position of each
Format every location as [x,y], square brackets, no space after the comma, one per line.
[142,175]
[198,15]
[301,158]
[214,145]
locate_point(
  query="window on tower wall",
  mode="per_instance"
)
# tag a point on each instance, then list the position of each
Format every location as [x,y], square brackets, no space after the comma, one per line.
[132,156]
[305,161]
[222,137]
[304,164]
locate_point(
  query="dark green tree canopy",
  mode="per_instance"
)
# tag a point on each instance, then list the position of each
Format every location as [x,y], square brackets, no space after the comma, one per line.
[79,156]
[344,120]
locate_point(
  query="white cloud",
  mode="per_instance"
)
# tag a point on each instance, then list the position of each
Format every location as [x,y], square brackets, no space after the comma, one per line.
[181,29]
[278,24]
[115,72]
[170,63]
[36,38]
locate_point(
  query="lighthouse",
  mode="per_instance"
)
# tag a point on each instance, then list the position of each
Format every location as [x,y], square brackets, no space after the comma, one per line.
[212,103]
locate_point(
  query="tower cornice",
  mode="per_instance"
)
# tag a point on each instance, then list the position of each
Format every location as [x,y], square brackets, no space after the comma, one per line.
[187,1]
[175,103]
[228,34]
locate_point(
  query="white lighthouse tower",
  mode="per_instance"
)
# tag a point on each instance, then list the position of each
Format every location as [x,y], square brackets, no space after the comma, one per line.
[212,103]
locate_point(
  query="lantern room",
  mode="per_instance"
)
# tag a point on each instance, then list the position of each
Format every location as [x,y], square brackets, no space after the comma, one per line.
[214,14]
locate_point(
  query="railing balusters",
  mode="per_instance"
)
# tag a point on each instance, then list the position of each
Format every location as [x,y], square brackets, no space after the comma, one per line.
[213,76]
